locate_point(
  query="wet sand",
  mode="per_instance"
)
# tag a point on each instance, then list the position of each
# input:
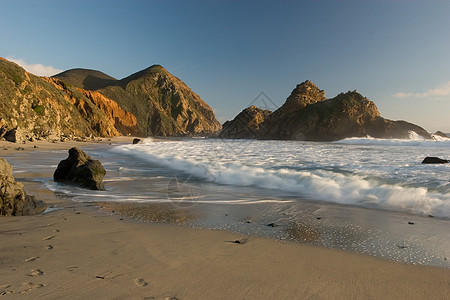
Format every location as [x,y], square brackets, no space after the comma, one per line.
[84,250]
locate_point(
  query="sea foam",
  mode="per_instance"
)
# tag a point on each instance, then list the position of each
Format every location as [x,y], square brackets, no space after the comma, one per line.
[339,172]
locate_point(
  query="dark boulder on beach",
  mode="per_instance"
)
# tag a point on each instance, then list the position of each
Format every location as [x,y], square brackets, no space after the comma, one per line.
[136,141]
[434,160]
[80,169]
[13,199]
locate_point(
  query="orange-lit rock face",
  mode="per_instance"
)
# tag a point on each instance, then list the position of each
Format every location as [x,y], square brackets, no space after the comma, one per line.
[124,121]
[93,115]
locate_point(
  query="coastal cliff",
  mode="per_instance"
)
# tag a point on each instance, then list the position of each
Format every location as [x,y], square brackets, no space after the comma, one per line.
[33,107]
[308,115]
[162,103]
[89,103]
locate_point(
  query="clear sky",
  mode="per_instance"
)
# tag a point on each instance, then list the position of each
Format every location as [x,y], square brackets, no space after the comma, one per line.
[394,52]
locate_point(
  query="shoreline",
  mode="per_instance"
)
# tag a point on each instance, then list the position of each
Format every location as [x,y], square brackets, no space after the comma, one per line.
[84,252]
[392,235]
[99,253]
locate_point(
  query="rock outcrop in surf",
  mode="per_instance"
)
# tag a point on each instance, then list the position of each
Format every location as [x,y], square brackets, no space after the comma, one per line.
[80,169]
[246,125]
[307,115]
[434,160]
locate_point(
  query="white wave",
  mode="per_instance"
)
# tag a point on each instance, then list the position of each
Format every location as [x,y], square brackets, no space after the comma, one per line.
[437,142]
[440,138]
[415,136]
[319,184]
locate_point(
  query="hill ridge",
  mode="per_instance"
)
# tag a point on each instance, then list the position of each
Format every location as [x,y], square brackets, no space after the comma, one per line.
[162,103]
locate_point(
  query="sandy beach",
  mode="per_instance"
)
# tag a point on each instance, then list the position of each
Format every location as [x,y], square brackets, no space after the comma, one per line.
[84,251]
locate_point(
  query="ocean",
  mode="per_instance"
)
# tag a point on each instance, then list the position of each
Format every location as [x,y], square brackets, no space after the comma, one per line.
[371,196]
[381,174]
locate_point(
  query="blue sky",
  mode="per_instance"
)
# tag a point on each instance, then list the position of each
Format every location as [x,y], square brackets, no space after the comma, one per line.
[395,52]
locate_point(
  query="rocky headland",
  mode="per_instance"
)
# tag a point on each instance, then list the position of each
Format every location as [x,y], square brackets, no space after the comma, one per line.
[34,108]
[82,103]
[307,115]
[163,104]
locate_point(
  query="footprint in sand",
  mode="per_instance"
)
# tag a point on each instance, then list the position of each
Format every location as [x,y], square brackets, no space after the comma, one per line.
[48,237]
[140,282]
[33,258]
[4,290]
[36,272]
[31,286]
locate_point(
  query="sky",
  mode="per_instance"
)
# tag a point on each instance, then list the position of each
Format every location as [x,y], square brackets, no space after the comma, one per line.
[237,53]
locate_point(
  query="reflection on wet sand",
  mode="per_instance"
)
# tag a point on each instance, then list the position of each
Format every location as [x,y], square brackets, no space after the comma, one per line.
[300,231]
[329,234]
[157,212]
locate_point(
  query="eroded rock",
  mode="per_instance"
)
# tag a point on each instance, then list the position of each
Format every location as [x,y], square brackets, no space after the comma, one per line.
[13,199]
[80,169]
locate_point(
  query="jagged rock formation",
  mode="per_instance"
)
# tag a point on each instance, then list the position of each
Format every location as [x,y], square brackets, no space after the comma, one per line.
[33,107]
[308,115]
[246,125]
[14,201]
[162,103]
[304,94]
[279,124]
[80,169]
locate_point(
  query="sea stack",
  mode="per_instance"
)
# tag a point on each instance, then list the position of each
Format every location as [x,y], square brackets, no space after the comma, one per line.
[308,115]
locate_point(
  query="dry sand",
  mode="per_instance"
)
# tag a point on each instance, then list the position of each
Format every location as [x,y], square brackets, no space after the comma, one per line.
[81,252]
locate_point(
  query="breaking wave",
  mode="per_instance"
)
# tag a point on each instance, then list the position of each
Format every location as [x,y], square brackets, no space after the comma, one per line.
[329,176]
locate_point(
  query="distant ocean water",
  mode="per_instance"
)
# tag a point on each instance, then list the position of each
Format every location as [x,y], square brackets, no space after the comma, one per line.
[373,173]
